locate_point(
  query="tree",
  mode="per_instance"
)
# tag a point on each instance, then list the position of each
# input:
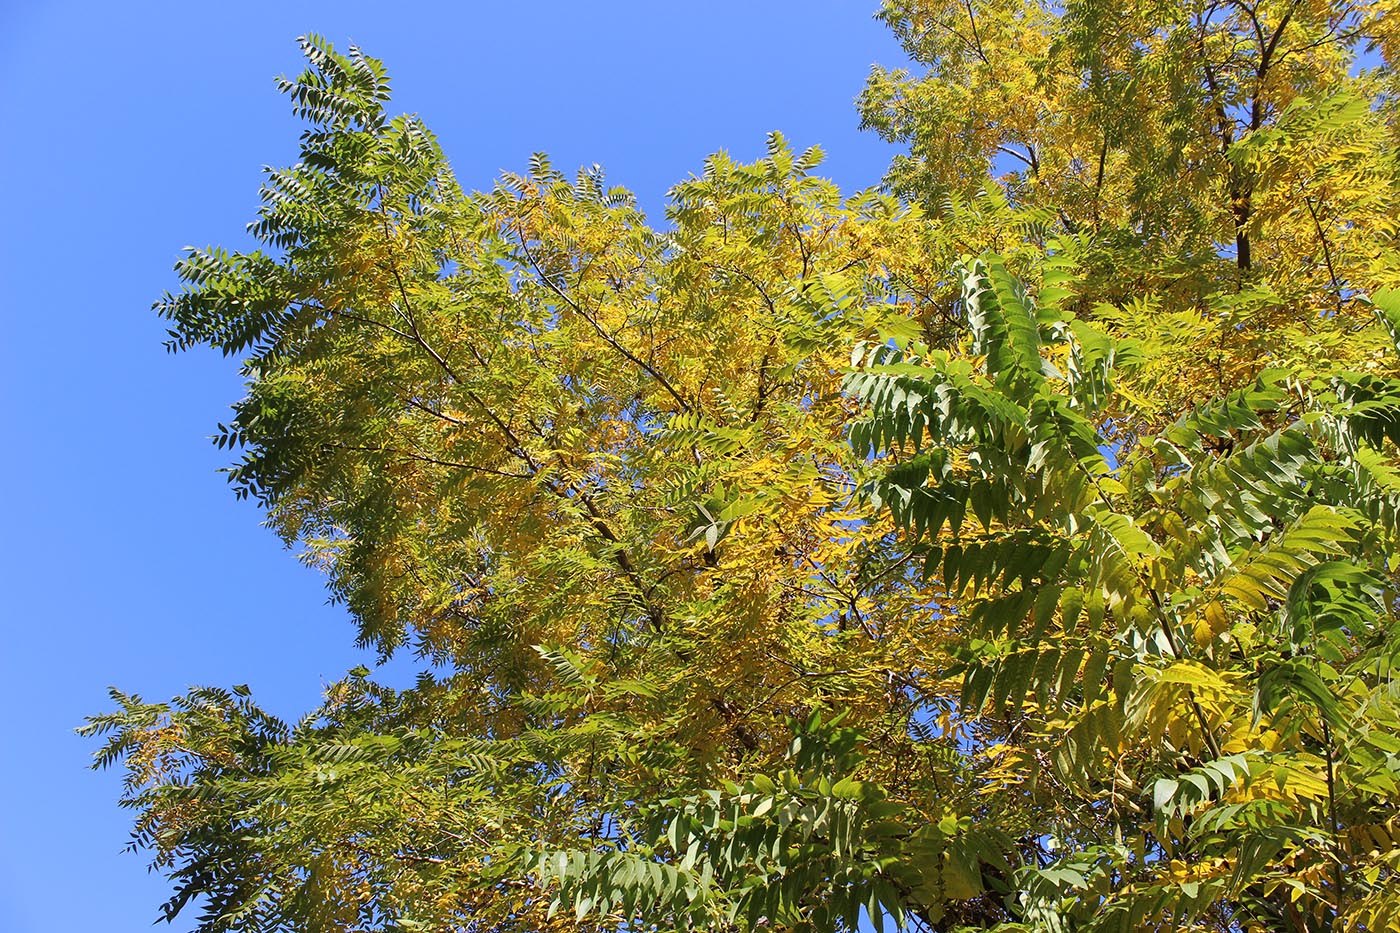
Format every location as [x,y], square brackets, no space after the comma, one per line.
[731,629]
[1220,170]
[1181,650]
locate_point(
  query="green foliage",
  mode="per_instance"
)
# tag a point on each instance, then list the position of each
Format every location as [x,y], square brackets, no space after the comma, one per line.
[811,844]
[1209,622]
[1066,601]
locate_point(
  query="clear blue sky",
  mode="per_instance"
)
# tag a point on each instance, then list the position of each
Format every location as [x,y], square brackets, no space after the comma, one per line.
[130,130]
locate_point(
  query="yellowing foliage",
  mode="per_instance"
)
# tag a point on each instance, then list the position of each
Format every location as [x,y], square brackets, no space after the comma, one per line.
[1013,550]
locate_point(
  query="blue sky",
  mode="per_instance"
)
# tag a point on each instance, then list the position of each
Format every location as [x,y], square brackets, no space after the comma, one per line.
[131,130]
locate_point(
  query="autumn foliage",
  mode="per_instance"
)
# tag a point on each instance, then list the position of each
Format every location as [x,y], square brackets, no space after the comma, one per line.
[1009,547]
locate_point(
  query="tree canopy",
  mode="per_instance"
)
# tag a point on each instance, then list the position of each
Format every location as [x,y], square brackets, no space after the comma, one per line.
[1010,547]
